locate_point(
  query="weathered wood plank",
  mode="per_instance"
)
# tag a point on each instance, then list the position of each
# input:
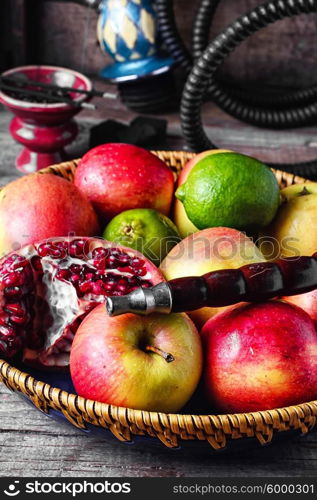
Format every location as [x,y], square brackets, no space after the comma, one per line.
[30,443]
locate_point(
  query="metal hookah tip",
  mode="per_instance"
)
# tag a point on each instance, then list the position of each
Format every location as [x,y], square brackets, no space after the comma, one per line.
[142,301]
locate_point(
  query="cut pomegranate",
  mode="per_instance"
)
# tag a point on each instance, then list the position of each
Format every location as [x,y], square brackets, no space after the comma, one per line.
[46,289]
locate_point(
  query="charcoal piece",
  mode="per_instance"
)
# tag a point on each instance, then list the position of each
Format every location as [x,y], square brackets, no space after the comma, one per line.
[143,131]
[107,131]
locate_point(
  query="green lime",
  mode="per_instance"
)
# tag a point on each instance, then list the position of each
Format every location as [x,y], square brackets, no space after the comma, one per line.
[230,190]
[145,230]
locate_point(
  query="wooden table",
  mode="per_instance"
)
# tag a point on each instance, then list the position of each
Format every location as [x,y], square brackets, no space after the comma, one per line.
[32,444]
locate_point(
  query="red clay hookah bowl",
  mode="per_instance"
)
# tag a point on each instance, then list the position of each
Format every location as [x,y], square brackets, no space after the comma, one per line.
[44,129]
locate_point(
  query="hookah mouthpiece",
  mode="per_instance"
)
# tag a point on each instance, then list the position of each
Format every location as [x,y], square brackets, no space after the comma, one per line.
[251,283]
[142,301]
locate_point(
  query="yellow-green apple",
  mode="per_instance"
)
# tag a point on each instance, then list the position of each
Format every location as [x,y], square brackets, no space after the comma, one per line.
[118,177]
[184,225]
[260,357]
[209,250]
[143,362]
[293,231]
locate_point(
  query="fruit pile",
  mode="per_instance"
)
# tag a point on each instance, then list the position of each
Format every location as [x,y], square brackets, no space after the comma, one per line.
[123,224]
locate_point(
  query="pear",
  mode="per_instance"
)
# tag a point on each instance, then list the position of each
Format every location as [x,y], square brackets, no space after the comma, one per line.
[293,232]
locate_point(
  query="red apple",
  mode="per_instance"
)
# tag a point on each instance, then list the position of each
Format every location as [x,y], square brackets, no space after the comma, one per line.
[37,207]
[149,363]
[307,301]
[260,357]
[118,177]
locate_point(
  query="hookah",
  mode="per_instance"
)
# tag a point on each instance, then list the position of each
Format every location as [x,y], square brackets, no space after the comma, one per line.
[139,63]
[279,111]
[127,30]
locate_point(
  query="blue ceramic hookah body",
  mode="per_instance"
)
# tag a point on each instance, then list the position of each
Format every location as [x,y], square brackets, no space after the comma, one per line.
[128,31]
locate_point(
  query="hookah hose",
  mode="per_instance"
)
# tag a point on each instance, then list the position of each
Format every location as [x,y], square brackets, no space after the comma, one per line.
[294,109]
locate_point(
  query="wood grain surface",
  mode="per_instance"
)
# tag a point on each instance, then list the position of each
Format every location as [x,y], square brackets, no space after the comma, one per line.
[33,444]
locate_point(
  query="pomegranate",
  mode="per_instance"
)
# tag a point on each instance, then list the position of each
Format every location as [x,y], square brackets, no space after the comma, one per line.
[36,207]
[47,288]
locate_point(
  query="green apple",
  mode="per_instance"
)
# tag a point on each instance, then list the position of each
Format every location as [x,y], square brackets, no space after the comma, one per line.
[143,362]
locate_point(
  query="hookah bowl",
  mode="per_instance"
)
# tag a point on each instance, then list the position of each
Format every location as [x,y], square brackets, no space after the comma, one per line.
[44,129]
[127,30]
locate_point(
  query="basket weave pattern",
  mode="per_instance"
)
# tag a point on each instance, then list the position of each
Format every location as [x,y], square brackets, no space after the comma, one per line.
[170,429]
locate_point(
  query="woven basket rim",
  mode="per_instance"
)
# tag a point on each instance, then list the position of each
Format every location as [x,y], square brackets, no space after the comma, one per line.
[249,415]
[301,416]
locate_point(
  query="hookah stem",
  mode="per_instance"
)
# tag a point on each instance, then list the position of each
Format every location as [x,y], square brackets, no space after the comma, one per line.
[47,96]
[251,283]
[64,90]
[94,4]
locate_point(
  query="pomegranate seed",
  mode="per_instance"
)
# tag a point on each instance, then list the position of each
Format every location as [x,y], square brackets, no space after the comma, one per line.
[17,262]
[56,250]
[140,271]
[100,253]
[14,279]
[15,309]
[74,278]
[85,287]
[13,292]
[108,287]
[63,274]
[19,319]
[98,287]
[4,319]
[110,279]
[57,253]
[77,248]
[7,331]
[100,264]
[124,259]
[89,276]
[44,249]
[137,263]
[13,258]
[112,261]
[75,268]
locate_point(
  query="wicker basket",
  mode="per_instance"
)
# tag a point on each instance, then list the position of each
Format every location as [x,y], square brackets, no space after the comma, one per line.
[170,429]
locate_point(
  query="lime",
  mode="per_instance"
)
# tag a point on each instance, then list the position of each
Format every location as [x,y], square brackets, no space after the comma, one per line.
[230,190]
[145,230]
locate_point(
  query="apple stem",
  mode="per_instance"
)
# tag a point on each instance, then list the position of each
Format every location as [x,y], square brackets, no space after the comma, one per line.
[166,355]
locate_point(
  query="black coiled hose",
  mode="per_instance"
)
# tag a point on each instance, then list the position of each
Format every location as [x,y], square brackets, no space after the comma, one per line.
[291,110]
[200,41]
